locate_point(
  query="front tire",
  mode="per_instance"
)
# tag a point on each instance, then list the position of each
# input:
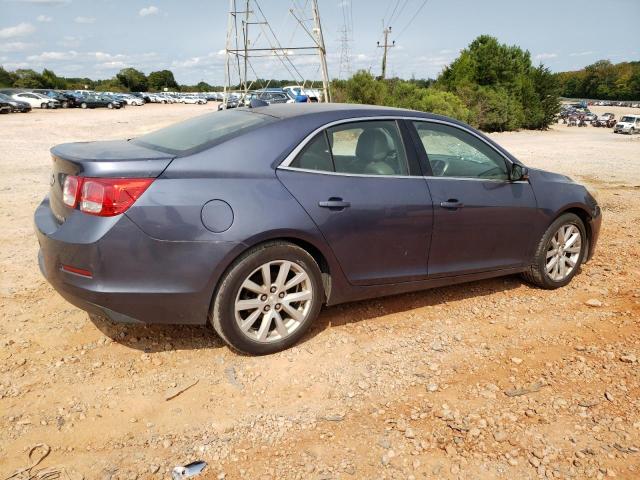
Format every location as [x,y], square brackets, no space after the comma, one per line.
[268,299]
[559,253]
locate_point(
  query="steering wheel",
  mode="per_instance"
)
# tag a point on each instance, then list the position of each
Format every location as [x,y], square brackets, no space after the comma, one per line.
[491,172]
[439,167]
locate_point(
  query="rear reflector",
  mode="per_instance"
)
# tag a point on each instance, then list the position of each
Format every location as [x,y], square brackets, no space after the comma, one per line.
[77,271]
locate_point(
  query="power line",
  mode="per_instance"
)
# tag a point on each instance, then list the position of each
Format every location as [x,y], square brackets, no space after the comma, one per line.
[412,18]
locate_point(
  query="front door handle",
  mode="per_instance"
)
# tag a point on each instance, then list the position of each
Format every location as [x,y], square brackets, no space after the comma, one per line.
[452,204]
[334,203]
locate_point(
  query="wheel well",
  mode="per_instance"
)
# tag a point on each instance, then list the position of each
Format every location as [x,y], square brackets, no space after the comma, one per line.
[317,256]
[586,219]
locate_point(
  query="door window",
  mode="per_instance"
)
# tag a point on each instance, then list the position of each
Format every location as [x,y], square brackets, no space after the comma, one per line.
[452,152]
[365,148]
[369,148]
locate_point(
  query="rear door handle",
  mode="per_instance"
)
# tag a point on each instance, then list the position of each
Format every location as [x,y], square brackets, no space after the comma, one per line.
[452,204]
[334,203]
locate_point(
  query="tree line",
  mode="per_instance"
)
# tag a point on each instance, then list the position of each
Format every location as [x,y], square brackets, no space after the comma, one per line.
[602,80]
[491,85]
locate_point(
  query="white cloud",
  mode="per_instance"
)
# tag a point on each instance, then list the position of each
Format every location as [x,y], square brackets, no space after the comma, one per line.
[44,2]
[150,10]
[19,30]
[52,56]
[84,20]
[15,46]
[545,56]
[581,54]
[43,18]
[69,41]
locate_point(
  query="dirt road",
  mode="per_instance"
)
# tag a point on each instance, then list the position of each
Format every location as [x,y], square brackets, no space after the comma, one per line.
[492,379]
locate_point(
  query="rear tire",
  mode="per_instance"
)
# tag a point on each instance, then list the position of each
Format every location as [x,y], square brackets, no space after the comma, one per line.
[83,105]
[250,310]
[568,253]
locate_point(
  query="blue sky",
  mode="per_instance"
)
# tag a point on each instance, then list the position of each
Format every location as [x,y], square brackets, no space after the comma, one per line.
[96,38]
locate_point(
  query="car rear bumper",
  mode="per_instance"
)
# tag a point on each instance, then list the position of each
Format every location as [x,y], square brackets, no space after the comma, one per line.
[134,277]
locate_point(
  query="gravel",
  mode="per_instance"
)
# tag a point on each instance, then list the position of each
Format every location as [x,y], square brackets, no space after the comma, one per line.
[491,379]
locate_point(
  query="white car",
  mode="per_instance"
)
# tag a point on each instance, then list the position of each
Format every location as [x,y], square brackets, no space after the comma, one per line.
[133,100]
[295,90]
[36,100]
[628,124]
[193,100]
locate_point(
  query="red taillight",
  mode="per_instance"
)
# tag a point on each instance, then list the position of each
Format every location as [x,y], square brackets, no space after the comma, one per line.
[111,196]
[71,190]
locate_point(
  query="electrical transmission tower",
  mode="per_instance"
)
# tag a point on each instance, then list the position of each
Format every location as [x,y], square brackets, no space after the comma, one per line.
[345,53]
[346,34]
[251,36]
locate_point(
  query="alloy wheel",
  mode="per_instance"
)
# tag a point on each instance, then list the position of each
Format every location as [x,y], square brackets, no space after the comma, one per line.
[563,252]
[273,301]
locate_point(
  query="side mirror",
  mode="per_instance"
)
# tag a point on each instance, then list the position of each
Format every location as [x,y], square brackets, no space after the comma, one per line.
[519,172]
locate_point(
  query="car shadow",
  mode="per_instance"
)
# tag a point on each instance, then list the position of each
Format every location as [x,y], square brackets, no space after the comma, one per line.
[151,338]
[368,309]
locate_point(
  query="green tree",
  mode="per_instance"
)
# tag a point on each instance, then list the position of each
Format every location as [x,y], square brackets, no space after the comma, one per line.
[6,78]
[27,78]
[363,88]
[132,80]
[162,79]
[204,87]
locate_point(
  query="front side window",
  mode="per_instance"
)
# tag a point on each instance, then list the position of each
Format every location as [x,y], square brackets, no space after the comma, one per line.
[452,152]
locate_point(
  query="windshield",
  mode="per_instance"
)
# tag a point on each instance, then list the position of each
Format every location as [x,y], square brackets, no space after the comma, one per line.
[628,119]
[201,132]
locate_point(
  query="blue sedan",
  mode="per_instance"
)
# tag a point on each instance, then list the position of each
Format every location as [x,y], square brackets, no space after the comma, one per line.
[252,219]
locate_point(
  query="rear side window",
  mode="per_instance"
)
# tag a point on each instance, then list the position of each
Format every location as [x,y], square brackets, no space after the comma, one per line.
[202,132]
[315,155]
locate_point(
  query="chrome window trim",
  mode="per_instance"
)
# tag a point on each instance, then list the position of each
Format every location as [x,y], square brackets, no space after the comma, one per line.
[366,175]
[285,164]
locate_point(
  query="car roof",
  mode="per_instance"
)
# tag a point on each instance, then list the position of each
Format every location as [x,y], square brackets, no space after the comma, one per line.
[340,110]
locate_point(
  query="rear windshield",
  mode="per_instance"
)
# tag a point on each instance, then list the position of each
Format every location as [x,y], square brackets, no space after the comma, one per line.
[202,132]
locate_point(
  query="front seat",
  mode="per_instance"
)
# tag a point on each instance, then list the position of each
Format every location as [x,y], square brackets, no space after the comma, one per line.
[372,152]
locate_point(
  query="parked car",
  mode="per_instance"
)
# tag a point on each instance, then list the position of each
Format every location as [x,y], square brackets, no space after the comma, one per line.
[298,90]
[66,99]
[296,206]
[129,99]
[605,120]
[144,96]
[628,124]
[98,101]
[36,100]
[15,105]
[5,107]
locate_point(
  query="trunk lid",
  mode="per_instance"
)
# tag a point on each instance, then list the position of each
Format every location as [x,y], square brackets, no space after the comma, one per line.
[110,159]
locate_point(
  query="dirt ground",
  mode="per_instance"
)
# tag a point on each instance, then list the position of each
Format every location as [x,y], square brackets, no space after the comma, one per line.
[493,379]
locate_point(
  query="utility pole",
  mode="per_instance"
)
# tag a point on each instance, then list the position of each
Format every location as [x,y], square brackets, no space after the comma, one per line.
[322,51]
[386,47]
[240,44]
